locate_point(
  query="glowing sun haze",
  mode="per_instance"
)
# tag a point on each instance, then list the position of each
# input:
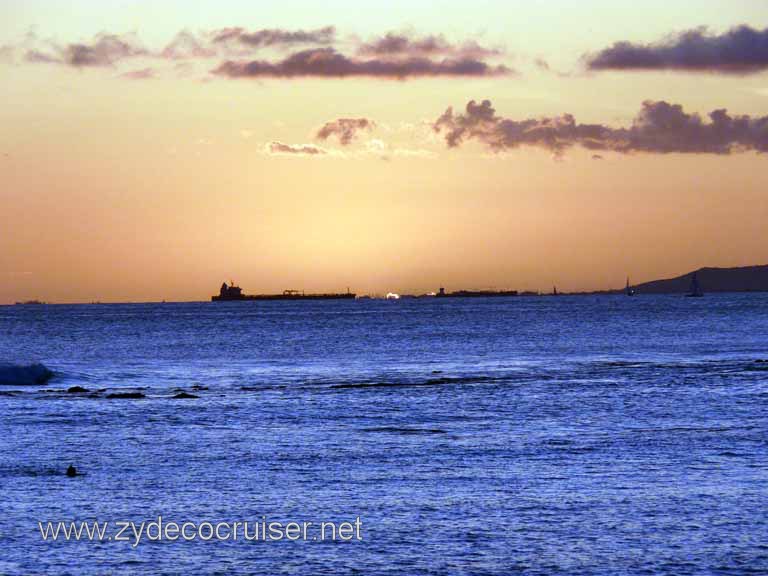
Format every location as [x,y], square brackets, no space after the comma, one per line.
[152,150]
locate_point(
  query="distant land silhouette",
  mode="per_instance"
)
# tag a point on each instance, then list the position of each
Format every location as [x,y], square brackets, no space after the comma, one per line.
[743,279]
[707,280]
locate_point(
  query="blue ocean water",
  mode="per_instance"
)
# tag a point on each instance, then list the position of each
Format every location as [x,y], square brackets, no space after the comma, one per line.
[541,435]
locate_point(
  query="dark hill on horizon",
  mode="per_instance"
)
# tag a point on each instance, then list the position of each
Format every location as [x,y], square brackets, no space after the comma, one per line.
[742,279]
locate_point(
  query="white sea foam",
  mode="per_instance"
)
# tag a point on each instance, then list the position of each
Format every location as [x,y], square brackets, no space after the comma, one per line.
[20,375]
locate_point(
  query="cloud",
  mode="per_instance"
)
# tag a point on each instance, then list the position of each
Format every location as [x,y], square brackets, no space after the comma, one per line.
[278,148]
[39,57]
[392,56]
[274,37]
[104,50]
[141,74]
[741,50]
[659,127]
[395,44]
[373,148]
[7,53]
[385,151]
[107,49]
[186,45]
[328,63]
[345,129]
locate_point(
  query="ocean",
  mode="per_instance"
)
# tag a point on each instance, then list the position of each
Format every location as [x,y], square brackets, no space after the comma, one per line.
[530,435]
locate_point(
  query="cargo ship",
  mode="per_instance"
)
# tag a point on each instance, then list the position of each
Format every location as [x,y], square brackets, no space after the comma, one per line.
[474,293]
[232,293]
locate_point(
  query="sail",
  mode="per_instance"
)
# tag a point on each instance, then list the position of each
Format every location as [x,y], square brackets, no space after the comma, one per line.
[695,287]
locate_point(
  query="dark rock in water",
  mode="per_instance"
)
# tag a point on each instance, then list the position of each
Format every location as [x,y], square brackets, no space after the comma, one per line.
[184,395]
[126,395]
[71,471]
[76,390]
[16,375]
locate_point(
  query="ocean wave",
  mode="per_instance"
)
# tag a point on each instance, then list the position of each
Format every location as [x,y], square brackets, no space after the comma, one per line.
[28,471]
[80,393]
[401,430]
[20,375]
[430,382]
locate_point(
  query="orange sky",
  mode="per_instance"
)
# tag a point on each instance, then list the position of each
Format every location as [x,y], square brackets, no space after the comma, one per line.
[119,189]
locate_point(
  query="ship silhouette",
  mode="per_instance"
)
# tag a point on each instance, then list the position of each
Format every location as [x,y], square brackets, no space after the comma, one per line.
[474,293]
[232,293]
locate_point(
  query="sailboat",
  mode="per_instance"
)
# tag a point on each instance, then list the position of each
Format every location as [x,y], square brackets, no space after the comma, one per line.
[629,290]
[695,291]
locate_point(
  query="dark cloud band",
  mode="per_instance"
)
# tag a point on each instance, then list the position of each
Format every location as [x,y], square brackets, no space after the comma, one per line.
[741,50]
[402,44]
[328,63]
[659,128]
[274,37]
[393,56]
[103,50]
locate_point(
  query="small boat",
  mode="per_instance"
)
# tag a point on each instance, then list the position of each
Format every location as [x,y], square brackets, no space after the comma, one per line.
[695,291]
[629,290]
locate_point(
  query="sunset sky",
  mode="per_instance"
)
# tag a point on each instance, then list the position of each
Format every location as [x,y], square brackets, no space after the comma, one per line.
[152,150]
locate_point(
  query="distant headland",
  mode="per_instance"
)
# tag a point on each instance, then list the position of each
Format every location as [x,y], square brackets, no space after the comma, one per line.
[742,279]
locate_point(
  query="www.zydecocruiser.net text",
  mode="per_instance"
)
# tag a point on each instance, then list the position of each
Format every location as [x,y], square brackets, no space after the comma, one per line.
[159,530]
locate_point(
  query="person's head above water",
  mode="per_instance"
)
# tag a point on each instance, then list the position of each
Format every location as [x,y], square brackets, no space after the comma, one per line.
[71,471]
